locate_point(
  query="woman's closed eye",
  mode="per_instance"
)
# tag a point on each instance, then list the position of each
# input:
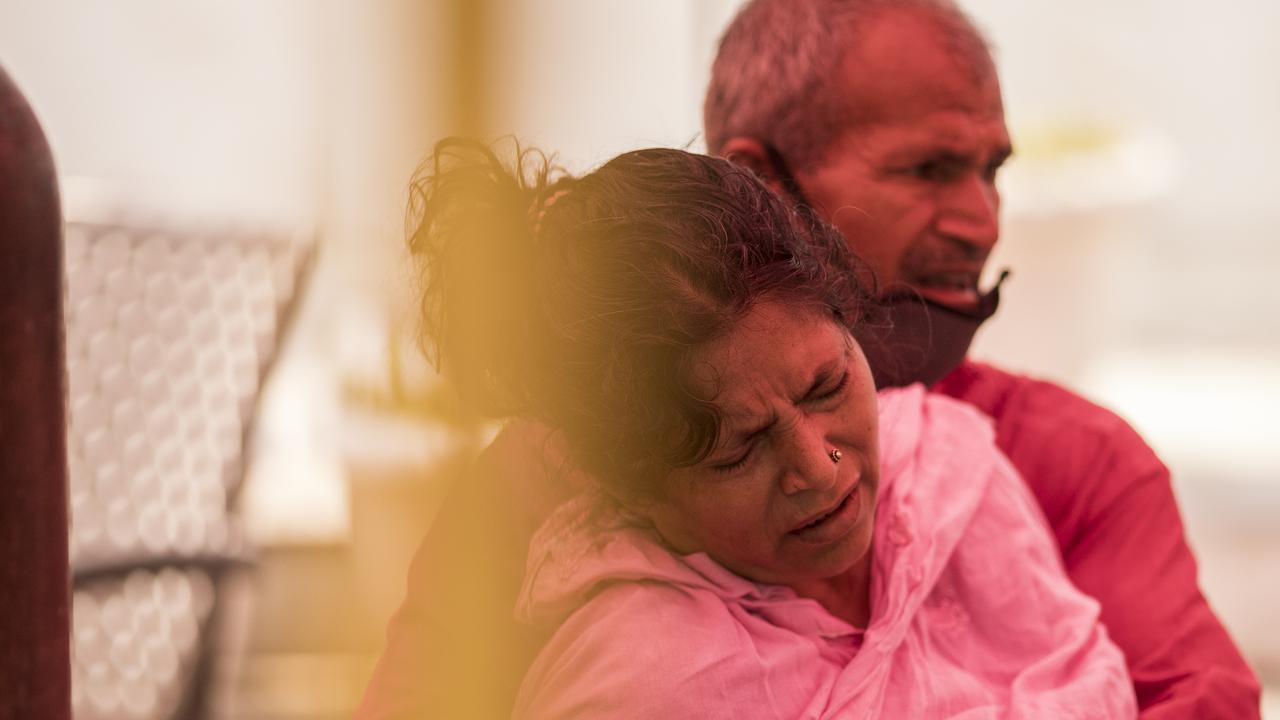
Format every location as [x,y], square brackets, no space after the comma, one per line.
[823,396]
[733,465]
[834,391]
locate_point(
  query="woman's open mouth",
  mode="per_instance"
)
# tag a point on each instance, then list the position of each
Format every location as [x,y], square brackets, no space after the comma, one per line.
[834,523]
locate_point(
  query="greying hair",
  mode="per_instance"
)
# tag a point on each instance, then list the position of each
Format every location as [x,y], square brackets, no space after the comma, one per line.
[587,312]
[776,75]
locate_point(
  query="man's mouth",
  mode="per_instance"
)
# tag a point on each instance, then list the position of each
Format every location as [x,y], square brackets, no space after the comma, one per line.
[957,289]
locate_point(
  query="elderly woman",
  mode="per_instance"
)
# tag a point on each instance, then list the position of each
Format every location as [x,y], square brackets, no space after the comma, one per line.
[757,534]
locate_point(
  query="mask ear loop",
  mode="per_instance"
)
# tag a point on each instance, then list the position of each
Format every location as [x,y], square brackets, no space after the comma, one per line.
[787,179]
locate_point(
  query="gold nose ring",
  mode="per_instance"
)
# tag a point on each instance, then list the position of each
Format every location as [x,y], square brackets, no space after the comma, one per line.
[834,455]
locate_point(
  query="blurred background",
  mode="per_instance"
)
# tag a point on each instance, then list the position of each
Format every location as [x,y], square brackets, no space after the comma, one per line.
[257,446]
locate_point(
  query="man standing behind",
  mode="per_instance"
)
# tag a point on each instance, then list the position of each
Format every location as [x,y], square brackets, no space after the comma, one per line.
[885,116]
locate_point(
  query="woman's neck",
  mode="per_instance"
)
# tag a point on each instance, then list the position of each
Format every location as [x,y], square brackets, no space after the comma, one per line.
[847,595]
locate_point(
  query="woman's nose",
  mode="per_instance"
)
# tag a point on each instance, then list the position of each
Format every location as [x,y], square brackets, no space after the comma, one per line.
[808,461]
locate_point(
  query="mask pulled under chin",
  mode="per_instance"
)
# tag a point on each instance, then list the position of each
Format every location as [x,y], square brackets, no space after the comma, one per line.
[921,340]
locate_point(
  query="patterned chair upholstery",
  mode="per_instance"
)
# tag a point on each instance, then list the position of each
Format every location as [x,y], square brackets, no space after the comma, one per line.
[171,330]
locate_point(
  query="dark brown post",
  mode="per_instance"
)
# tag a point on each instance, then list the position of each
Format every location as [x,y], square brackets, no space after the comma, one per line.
[35,664]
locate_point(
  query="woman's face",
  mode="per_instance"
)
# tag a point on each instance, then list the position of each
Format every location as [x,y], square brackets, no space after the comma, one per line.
[769,503]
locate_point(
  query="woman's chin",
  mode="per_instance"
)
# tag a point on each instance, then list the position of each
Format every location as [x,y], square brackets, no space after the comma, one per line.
[840,543]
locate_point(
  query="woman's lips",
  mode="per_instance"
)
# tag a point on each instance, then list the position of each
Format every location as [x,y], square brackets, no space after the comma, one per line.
[834,523]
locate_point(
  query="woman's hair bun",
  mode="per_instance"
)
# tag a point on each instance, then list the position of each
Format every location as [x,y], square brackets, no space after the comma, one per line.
[472,226]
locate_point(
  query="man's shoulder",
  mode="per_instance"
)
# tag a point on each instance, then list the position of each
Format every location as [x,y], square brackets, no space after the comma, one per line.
[1079,459]
[1060,442]
[1015,399]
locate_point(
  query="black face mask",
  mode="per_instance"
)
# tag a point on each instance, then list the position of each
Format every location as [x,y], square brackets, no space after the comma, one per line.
[917,340]
[921,340]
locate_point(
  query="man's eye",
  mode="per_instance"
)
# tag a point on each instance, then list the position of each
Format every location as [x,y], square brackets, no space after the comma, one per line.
[936,170]
[925,171]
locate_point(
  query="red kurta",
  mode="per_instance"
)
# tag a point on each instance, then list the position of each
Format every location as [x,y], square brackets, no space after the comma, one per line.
[1110,503]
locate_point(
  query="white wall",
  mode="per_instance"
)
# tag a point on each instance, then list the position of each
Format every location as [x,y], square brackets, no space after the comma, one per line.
[212,101]
[303,115]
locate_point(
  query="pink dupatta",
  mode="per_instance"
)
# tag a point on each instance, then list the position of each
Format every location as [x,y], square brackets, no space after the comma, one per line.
[972,613]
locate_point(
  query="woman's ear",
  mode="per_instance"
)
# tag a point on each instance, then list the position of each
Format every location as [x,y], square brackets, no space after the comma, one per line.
[752,154]
[639,508]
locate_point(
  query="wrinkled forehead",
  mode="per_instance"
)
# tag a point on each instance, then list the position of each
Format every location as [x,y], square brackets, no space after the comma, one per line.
[774,350]
[953,133]
[902,66]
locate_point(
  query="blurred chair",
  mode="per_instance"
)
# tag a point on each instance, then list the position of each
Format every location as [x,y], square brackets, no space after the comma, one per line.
[172,328]
[33,472]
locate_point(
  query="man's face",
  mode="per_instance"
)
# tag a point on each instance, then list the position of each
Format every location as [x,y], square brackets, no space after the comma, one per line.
[911,181]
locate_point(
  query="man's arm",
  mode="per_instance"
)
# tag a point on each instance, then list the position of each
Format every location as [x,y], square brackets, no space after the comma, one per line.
[453,649]
[1133,557]
[1110,503]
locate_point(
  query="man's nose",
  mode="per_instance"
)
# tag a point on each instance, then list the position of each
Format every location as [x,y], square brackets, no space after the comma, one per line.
[969,211]
[807,457]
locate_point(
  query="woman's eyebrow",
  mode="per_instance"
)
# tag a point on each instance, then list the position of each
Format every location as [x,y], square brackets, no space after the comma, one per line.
[823,375]
[746,436]
[819,380]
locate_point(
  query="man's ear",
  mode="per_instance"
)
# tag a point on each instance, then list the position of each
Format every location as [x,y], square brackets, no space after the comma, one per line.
[751,153]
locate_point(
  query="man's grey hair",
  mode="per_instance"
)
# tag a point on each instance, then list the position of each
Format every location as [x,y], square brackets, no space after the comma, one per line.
[776,75]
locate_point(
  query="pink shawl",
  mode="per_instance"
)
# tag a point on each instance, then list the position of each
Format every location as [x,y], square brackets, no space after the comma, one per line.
[972,613]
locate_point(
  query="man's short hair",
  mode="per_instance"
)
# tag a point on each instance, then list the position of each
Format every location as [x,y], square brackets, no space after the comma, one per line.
[776,75]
